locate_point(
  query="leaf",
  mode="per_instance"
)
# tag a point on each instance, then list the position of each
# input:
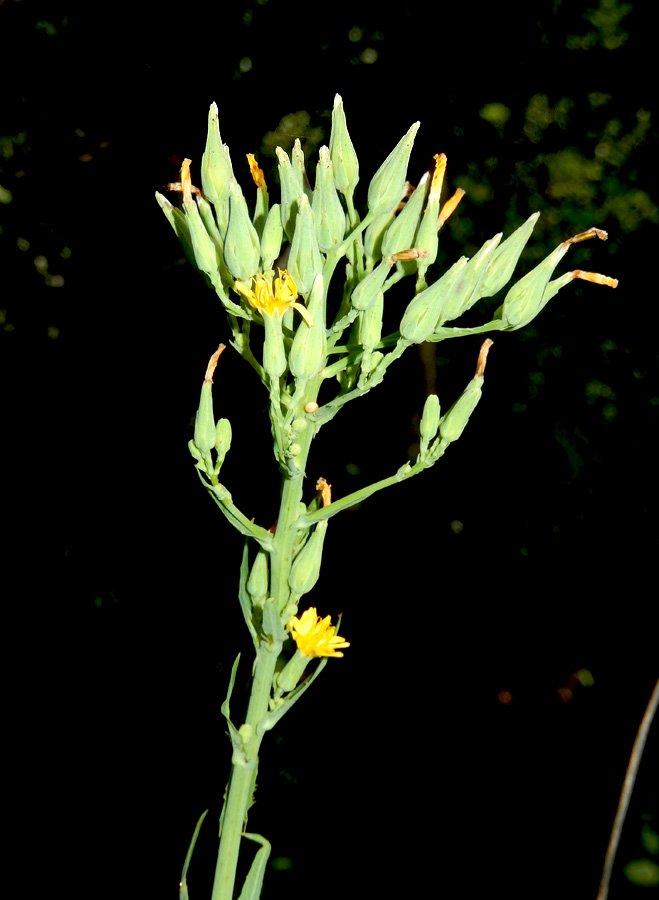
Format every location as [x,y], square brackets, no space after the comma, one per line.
[183,888]
[254,881]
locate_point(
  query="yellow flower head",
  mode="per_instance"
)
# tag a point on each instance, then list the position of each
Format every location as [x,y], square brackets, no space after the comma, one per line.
[315,636]
[271,295]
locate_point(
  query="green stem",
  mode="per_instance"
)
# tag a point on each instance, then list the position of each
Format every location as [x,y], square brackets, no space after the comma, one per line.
[244,763]
[242,776]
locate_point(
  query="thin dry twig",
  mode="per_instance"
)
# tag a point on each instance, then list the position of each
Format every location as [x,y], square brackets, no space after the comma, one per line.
[625,795]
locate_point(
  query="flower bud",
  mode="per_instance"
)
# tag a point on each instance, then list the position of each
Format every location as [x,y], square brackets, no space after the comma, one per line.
[242,250]
[204,426]
[374,235]
[309,347]
[203,246]
[223,436]
[385,190]
[342,152]
[529,295]
[466,291]
[328,212]
[271,238]
[503,261]
[429,421]
[274,355]
[420,318]
[306,565]
[257,582]
[366,292]
[370,324]
[180,225]
[304,261]
[427,236]
[216,169]
[291,193]
[453,423]
[401,232]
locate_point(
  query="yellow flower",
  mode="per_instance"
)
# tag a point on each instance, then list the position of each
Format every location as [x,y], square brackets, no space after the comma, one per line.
[272,295]
[315,636]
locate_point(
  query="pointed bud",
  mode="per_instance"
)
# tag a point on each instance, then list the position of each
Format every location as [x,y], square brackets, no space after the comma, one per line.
[216,169]
[386,188]
[179,223]
[304,261]
[271,238]
[427,237]
[203,246]
[453,423]
[242,250]
[429,421]
[342,152]
[309,347]
[327,209]
[366,292]
[262,199]
[529,295]
[466,290]
[306,565]
[502,263]
[291,192]
[421,316]
[257,582]
[400,234]
[223,434]
[204,426]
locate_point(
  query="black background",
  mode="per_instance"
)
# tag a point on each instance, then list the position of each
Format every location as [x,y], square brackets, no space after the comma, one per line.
[400,772]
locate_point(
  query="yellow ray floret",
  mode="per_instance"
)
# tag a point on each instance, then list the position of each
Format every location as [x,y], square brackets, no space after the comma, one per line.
[315,636]
[270,295]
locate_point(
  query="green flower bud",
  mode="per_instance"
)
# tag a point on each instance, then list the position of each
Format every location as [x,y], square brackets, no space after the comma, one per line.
[370,323]
[271,238]
[328,212]
[257,582]
[204,426]
[300,173]
[223,436]
[366,292]
[400,234]
[503,261]
[420,318]
[274,355]
[290,675]
[304,261]
[309,347]
[453,423]
[180,225]
[216,169]
[203,246]
[427,237]
[374,235]
[306,565]
[466,291]
[242,250]
[386,188]
[344,158]
[531,293]
[291,193]
[524,300]
[429,421]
